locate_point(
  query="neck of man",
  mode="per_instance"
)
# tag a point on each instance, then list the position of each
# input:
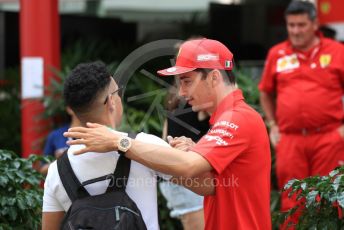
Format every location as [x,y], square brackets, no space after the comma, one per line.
[221,92]
[75,122]
[315,41]
[98,120]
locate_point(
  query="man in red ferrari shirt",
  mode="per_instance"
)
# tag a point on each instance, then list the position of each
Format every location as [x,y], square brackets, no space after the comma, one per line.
[230,165]
[301,93]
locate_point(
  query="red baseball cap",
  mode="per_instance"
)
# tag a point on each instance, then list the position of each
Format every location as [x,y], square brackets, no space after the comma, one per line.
[201,53]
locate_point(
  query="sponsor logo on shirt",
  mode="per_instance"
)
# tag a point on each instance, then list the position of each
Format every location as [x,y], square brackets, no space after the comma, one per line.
[325,60]
[221,131]
[288,62]
[230,125]
[218,140]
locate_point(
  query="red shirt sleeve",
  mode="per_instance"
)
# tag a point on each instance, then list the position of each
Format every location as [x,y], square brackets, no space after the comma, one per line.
[224,142]
[267,83]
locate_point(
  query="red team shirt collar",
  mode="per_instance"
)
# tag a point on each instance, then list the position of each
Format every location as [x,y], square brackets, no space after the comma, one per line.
[309,52]
[226,104]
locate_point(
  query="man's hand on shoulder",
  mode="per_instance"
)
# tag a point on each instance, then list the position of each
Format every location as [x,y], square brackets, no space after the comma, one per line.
[96,138]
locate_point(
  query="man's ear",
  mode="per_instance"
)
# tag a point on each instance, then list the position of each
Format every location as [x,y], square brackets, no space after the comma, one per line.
[111,104]
[215,77]
[69,111]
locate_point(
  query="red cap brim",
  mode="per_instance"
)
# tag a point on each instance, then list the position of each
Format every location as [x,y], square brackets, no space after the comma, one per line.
[175,70]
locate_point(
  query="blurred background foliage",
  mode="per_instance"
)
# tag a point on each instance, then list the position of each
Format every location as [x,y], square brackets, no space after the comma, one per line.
[10,129]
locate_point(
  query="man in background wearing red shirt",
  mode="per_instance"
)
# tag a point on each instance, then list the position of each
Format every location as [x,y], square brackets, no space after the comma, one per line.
[230,165]
[301,93]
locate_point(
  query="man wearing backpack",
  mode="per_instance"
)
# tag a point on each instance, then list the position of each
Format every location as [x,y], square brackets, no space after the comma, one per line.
[94,96]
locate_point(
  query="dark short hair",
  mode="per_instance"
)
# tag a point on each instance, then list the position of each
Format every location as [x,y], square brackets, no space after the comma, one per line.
[301,7]
[85,82]
[228,75]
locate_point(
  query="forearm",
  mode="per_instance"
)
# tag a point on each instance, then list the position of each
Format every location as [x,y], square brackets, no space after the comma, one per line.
[168,160]
[52,220]
[202,185]
[267,102]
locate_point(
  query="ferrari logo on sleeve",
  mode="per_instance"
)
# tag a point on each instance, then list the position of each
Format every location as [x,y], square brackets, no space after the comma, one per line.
[325,60]
[287,62]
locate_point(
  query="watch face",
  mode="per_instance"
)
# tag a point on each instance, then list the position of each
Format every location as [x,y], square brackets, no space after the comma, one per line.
[124,143]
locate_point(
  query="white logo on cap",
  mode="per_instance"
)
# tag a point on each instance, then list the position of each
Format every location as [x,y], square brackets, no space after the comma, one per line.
[171,69]
[207,57]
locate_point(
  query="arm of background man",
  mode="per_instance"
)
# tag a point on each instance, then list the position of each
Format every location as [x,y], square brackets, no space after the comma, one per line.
[202,185]
[267,85]
[267,101]
[52,220]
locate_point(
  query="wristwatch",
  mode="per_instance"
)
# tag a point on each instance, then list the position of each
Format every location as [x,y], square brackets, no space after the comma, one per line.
[124,143]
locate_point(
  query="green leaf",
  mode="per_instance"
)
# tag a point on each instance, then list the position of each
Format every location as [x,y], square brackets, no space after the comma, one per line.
[303,186]
[311,197]
[11,201]
[33,180]
[21,203]
[3,180]
[289,184]
[6,155]
[340,199]
[333,197]
[334,172]
[12,213]
[20,174]
[3,201]
[16,164]
[337,181]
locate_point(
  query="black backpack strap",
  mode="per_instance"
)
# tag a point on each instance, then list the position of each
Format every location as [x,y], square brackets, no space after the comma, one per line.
[120,176]
[102,178]
[70,182]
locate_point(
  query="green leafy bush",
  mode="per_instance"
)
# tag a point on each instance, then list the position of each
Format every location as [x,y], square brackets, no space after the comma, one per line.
[20,192]
[320,201]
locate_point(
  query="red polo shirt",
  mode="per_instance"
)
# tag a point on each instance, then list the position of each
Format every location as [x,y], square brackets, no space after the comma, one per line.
[309,85]
[237,147]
